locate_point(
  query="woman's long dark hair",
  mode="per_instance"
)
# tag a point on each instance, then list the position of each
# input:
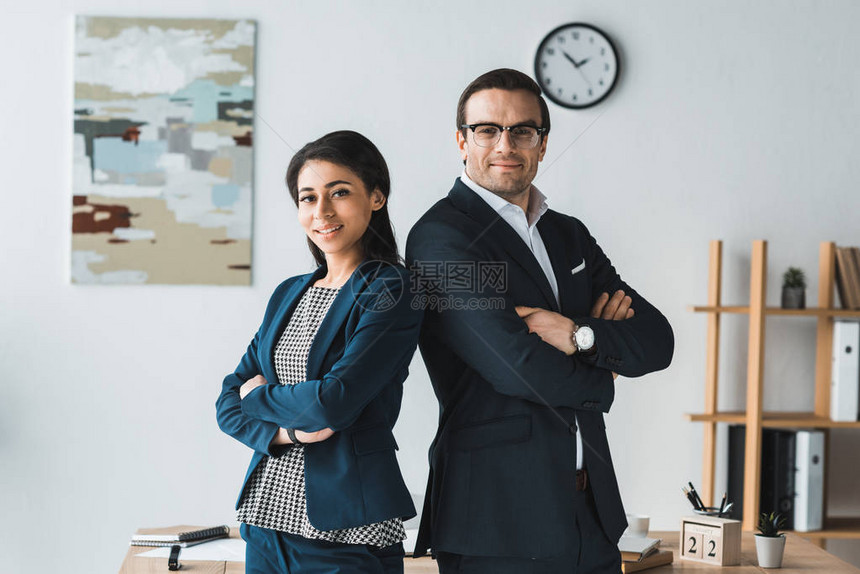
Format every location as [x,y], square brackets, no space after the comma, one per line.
[358,154]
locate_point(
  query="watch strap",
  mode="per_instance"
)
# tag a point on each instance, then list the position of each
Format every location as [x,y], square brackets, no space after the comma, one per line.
[292,434]
[591,351]
[173,560]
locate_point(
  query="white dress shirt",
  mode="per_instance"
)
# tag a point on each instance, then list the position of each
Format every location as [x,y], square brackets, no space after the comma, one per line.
[525,224]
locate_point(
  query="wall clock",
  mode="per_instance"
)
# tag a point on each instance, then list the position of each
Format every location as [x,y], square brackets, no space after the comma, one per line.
[576,65]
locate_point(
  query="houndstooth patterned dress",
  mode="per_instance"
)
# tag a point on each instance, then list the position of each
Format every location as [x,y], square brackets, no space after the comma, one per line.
[275,495]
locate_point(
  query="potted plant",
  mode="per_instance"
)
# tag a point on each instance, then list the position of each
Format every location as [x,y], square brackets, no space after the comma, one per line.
[793,289]
[770,544]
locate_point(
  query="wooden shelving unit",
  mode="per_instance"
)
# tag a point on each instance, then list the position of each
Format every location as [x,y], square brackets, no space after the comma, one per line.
[775,419]
[754,417]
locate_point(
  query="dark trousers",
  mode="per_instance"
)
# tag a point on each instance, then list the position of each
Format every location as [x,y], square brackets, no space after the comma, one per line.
[272,552]
[591,553]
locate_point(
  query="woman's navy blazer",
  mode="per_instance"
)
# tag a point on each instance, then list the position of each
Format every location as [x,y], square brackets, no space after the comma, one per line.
[356,368]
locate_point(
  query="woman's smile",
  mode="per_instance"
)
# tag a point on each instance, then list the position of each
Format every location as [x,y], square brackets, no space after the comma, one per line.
[328,231]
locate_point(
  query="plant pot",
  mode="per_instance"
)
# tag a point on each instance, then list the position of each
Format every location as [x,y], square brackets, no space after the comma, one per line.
[769,550]
[793,298]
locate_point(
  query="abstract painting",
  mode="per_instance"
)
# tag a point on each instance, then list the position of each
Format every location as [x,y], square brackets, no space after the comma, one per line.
[163,131]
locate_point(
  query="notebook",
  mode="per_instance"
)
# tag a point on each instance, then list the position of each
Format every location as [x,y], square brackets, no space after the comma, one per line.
[183,539]
[634,548]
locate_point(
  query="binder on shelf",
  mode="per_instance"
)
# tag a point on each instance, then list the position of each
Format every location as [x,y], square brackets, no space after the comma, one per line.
[735,484]
[777,474]
[776,489]
[809,480]
[845,372]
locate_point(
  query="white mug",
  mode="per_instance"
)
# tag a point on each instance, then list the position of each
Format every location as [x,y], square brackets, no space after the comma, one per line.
[637,525]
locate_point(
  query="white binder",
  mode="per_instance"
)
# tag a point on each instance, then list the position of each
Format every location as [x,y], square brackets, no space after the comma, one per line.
[809,480]
[845,374]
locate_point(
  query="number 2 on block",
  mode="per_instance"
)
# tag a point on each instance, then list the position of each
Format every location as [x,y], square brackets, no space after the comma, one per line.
[712,548]
[694,545]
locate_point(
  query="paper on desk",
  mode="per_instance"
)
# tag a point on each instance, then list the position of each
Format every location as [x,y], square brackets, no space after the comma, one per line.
[223,549]
[233,549]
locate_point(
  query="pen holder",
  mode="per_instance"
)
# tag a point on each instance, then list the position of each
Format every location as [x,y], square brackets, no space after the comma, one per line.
[711,511]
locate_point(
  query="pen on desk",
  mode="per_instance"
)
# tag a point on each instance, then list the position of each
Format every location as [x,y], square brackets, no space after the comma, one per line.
[723,504]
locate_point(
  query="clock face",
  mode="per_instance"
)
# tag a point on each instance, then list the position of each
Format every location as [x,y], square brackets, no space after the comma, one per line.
[576,65]
[585,337]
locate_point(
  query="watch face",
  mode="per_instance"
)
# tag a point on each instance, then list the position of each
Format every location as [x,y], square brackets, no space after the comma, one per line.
[584,338]
[576,65]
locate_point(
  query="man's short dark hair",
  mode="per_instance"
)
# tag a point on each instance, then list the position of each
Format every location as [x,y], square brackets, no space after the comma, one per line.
[502,79]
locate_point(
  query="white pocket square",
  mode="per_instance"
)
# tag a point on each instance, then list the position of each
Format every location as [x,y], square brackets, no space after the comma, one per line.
[578,268]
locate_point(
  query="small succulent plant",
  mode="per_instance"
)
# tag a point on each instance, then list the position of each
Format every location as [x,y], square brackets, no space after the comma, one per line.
[794,277]
[770,524]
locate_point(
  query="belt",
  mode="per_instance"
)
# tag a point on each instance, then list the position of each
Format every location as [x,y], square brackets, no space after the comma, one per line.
[581,479]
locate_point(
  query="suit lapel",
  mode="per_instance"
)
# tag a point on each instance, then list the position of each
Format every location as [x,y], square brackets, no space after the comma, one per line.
[281,319]
[331,323]
[495,226]
[337,314]
[554,241]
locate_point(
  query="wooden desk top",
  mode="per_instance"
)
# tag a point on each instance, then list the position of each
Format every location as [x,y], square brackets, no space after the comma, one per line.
[801,556]
[134,565]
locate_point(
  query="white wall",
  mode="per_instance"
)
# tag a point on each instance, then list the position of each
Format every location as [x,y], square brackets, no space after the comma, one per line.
[734,120]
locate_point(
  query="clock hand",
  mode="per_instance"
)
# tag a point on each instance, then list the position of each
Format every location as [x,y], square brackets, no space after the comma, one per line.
[577,65]
[584,77]
[570,59]
[574,62]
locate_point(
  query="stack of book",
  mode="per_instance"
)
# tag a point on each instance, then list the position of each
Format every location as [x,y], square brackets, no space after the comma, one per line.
[848,276]
[182,539]
[640,553]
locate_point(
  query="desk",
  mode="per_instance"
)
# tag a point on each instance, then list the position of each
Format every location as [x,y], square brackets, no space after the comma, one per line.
[134,565]
[801,556]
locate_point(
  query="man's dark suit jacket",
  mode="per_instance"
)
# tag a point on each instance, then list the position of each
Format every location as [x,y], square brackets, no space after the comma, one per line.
[356,367]
[503,462]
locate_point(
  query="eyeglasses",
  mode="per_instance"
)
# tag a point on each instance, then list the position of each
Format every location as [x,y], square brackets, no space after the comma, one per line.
[523,136]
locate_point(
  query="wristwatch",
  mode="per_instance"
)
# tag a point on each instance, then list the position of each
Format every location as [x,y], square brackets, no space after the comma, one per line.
[583,340]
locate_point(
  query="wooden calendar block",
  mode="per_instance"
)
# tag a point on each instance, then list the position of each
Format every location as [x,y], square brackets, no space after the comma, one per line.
[712,546]
[711,540]
[693,545]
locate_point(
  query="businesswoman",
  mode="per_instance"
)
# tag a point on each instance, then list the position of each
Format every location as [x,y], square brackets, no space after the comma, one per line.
[319,389]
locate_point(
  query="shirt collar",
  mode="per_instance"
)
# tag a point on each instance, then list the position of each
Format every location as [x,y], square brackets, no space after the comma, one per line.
[537,200]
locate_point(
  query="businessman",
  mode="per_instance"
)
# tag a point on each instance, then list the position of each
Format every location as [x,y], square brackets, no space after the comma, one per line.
[526,324]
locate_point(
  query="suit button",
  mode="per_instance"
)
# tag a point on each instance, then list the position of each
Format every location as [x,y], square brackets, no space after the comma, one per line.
[572,428]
